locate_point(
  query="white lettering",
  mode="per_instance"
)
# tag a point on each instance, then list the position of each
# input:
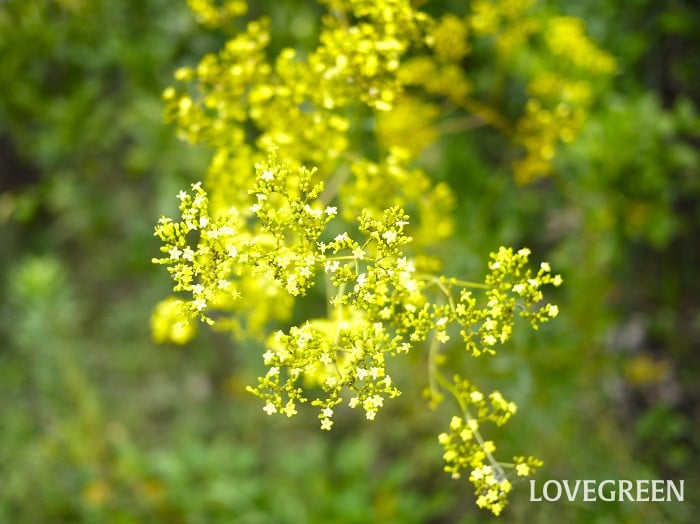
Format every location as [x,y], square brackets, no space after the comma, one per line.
[625,488]
[601,493]
[589,490]
[532,492]
[571,496]
[657,490]
[671,486]
[609,490]
[545,491]
[642,488]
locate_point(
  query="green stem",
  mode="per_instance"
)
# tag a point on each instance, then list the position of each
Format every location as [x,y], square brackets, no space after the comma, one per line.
[334,184]
[432,367]
[349,257]
[460,125]
[487,114]
[440,378]
[467,283]
[432,279]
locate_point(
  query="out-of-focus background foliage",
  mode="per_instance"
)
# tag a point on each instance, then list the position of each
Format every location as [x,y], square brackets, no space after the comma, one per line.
[98,424]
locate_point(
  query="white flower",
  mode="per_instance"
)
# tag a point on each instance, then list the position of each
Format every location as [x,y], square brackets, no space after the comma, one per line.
[290,409]
[519,288]
[332,267]
[389,236]
[292,286]
[311,211]
[442,337]
[198,201]
[270,408]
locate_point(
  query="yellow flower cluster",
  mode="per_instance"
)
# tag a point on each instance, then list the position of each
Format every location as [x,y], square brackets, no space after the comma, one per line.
[409,112]
[267,229]
[377,186]
[566,37]
[444,79]
[204,271]
[539,131]
[212,15]
[438,70]
[169,324]
[352,361]
[349,354]
[508,284]
[489,17]
[560,95]
[376,284]
[450,39]
[296,104]
[467,451]
[561,67]
[292,219]
[381,306]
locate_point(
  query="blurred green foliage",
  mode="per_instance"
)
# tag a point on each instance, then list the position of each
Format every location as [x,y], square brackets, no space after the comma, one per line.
[97,424]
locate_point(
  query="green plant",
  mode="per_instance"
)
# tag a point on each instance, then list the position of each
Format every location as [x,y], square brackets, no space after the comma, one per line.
[268,229]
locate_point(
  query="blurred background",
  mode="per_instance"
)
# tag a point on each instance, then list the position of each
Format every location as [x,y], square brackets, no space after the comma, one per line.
[99,424]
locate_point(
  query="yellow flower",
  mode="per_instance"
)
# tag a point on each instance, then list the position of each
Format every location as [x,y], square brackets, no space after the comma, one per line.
[168,325]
